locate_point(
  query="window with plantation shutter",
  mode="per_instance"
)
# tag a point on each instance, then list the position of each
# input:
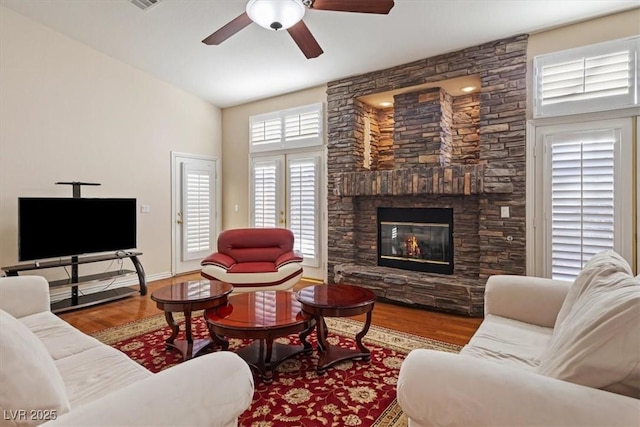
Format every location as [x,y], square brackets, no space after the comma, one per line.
[303,197]
[584,195]
[197,179]
[285,129]
[303,126]
[582,199]
[592,78]
[266,132]
[265,194]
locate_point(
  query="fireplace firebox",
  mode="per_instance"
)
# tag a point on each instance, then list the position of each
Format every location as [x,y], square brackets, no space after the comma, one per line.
[417,239]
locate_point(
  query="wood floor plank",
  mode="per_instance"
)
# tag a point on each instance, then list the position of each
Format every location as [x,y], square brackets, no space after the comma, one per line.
[446,327]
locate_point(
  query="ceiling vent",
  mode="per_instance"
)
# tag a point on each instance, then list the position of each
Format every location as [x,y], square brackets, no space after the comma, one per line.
[145,4]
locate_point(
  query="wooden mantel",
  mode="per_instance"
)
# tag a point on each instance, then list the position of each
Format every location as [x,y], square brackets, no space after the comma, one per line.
[421,180]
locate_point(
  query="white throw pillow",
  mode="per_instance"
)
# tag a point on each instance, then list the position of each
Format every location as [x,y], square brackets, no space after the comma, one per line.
[597,344]
[606,260]
[31,385]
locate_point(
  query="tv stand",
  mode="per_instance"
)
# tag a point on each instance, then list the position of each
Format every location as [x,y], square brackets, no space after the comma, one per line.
[78,301]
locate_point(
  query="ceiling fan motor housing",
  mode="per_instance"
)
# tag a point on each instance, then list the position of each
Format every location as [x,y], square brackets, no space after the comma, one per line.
[276,14]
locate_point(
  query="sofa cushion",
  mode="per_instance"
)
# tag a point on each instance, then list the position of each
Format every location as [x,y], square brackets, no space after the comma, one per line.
[597,344]
[606,260]
[509,342]
[93,373]
[29,377]
[59,338]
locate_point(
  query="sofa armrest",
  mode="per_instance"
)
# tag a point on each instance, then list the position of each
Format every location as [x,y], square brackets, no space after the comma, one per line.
[288,257]
[437,388]
[21,296]
[219,259]
[528,299]
[210,390]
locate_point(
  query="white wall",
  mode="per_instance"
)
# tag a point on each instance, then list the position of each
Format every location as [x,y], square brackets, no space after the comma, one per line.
[235,149]
[71,113]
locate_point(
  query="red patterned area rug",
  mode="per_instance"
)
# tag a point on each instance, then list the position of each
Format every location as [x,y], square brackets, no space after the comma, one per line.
[351,393]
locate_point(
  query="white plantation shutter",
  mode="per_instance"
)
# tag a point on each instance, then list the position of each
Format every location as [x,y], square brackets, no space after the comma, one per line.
[591,78]
[303,196]
[292,128]
[303,126]
[265,132]
[197,210]
[265,193]
[583,216]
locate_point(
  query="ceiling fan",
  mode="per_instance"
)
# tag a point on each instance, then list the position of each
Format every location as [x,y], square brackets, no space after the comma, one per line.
[287,15]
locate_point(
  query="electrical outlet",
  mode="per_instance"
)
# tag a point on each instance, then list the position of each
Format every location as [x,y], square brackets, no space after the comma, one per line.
[504,212]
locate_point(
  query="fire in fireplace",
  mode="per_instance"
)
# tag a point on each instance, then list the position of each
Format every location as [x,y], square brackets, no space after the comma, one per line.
[418,239]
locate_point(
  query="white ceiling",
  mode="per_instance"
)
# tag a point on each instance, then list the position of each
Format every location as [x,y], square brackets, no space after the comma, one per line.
[256,63]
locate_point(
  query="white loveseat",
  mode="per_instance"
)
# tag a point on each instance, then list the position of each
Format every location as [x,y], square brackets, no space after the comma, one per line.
[548,353]
[51,372]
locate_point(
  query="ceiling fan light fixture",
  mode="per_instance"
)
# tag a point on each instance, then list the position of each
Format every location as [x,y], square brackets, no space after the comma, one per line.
[276,14]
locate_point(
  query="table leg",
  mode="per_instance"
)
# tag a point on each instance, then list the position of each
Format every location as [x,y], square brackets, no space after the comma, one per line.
[217,339]
[267,371]
[174,327]
[361,335]
[308,348]
[322,333]
[188,334]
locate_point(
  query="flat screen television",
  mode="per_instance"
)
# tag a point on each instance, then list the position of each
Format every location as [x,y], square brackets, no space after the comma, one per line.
[57,227]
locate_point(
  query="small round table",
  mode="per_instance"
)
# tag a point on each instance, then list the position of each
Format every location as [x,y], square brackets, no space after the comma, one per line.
[187,297]
[337,301]
[262,316]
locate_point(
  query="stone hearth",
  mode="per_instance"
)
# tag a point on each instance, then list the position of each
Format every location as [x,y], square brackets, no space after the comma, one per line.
[431,149]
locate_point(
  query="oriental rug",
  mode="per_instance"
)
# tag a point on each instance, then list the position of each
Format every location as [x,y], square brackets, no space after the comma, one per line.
[351,393]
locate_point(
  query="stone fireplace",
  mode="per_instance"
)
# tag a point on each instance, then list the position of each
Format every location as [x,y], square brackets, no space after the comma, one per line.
[419,239]
[463,154]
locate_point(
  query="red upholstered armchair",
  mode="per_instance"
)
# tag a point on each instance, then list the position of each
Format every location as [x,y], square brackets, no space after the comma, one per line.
[254,259]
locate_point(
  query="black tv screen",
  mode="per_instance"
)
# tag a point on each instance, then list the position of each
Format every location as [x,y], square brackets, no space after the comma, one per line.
[57,227]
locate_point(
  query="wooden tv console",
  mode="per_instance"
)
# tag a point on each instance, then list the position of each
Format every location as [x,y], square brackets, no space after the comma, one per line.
[76,300]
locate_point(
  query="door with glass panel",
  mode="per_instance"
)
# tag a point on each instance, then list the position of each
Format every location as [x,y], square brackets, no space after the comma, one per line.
[285,192]
[585,192]
[194,211]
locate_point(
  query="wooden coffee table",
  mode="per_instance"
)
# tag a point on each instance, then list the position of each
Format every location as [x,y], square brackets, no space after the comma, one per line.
[262,316]
[337,301]
[185,298]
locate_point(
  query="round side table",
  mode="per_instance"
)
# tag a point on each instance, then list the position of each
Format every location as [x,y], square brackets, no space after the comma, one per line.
[187,297]
[337,301]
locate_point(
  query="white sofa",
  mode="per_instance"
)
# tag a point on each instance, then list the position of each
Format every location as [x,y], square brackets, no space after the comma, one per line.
[548,353]
[52,373]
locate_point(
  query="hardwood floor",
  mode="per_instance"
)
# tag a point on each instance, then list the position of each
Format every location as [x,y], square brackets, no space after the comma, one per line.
[440,326]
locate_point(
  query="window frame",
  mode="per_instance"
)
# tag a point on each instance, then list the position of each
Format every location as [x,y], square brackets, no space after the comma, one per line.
[283,142]
[596,104]
[537,236]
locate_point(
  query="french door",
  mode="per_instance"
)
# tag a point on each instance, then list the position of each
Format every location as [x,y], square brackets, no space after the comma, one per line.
[584,196]
[286,192]
[194,211]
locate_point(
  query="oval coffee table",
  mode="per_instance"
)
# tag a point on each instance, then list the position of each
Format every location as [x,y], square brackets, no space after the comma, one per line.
[187,297]
[337,301]
[262,316]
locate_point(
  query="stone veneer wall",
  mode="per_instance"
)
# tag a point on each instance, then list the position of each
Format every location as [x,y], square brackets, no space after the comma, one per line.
[487,171]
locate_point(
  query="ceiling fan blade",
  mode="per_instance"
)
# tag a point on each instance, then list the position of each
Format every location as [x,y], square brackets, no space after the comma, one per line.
[362,6]
[304,39]
[228,30]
